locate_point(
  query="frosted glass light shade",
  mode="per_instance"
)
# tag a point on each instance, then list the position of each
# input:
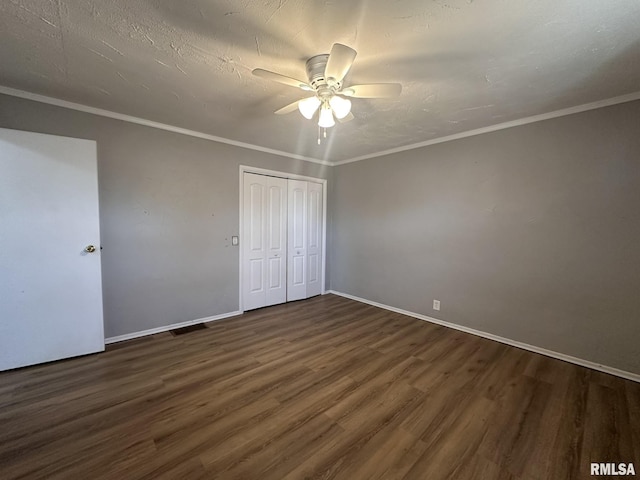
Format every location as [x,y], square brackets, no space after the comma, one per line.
[326,117]
[308,106]
[340,106]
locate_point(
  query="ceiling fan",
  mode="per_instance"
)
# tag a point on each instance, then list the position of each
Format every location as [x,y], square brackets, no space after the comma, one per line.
[326,73]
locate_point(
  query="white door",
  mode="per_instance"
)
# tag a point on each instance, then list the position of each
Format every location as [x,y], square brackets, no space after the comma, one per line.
[298,232]
[254,249]
[50,287]
[265,243]
[314,239]
[276,240]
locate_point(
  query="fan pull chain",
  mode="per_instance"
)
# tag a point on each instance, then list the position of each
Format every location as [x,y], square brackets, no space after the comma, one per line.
[324,134]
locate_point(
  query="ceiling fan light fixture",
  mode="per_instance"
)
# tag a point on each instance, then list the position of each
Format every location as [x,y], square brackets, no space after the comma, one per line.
[341,106]
[332,98]
[308,106]
[326,119]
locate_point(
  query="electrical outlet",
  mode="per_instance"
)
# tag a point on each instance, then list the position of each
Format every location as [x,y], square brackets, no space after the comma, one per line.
[234,241]
[436,304]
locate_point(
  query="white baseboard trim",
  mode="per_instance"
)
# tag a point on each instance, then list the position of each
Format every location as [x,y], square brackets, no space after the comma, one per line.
[152,331]
[525,346]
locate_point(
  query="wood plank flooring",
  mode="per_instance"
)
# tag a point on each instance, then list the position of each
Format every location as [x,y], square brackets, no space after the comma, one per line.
[323,388]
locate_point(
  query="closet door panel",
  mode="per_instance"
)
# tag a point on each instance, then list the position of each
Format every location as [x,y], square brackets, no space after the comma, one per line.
[256,276]
[314,242]
[254,252]
[276,238]
[297,233]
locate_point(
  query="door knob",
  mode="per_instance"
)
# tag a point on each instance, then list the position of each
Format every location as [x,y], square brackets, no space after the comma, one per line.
[89,249]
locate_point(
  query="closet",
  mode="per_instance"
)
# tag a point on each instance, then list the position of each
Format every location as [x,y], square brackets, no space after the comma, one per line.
[283,235]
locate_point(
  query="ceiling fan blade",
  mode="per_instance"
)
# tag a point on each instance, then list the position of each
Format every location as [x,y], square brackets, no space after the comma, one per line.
[339,62]
[276,77]
[346,119]
[373,90]
[292,107]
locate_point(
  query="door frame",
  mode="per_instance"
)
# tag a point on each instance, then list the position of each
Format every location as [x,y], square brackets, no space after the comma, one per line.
[275,173]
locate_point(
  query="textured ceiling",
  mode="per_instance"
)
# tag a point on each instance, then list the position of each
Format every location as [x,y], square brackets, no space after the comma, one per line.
[463,64]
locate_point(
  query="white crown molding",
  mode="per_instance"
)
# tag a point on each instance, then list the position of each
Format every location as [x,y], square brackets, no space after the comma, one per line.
[500,126]
[148,123]
[507,341]
[192,133]
[166,328]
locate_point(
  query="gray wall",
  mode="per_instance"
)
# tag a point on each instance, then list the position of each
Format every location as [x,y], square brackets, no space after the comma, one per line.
[168,209]
[531,233]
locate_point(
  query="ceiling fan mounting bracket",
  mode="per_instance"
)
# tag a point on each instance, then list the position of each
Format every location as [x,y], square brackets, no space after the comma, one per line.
[315,73]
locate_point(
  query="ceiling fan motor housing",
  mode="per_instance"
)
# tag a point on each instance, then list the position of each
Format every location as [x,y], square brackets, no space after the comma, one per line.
[315,73]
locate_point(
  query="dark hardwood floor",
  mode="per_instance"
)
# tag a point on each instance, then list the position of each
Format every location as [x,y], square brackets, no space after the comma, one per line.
[323,388]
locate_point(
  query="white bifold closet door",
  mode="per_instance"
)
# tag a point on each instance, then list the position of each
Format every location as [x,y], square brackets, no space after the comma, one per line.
[314,239]
[265,243]
[282,248]
[304,259]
